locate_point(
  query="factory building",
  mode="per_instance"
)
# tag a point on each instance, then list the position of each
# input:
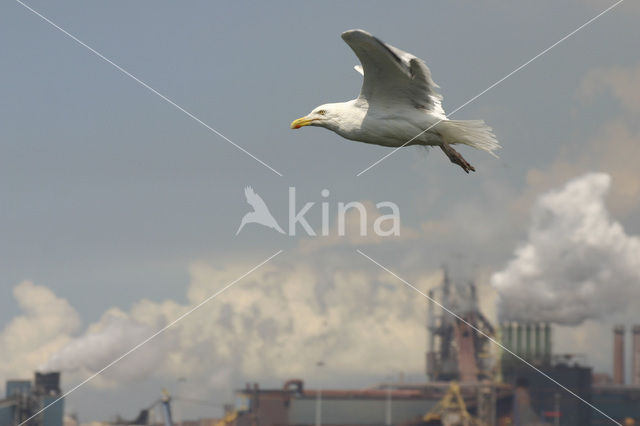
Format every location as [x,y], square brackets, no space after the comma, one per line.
[613,395]
[618,355]
[459,347]
[550,403]
[385,404]
[24,398]
[531,342]
[460,368]
[547,401]
[469,383]
[635,356]
[490,388]
[295,405]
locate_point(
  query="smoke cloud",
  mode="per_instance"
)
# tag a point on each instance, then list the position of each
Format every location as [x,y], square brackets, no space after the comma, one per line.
[105,341]
[577,263]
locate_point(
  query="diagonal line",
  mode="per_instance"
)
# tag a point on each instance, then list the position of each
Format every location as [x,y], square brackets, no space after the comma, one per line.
[142,83]
[444,308]
[494,84]
[163,329]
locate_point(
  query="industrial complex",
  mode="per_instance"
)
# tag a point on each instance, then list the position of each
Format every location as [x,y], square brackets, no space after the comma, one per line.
[469,381]
[24,399]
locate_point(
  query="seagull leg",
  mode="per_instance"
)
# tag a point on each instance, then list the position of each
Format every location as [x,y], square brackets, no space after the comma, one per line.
[456,158]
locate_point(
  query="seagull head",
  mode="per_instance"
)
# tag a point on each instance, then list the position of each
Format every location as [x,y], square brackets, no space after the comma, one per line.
[326,115]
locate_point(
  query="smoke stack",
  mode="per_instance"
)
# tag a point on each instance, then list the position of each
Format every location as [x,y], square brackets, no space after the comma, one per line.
[537,349]
[519,339]
[618,354]
[635,356]
[507,336]
[527,341]
[547,343]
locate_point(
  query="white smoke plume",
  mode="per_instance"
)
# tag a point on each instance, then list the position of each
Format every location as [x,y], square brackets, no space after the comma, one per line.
[577,263]
[105,341]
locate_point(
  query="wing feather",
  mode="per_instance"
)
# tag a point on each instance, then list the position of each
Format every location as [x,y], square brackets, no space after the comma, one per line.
[392,75]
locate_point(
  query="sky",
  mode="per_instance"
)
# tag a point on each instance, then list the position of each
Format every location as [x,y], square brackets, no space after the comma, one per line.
[118,212]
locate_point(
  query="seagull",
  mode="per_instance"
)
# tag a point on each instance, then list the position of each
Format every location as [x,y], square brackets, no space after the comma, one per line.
[398,105]
[260,213]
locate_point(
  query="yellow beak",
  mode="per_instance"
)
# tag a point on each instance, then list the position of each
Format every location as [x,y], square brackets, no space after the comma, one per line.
[300,122]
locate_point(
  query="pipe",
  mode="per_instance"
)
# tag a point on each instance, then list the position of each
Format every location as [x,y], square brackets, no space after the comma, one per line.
[507,336]
[446,287]
[547,343]
[635,356]
[527,341]
[431,326]
[519,343]
[166,408]
[431,337]
[474,297]
[537,350]
[512,336]
[618,354]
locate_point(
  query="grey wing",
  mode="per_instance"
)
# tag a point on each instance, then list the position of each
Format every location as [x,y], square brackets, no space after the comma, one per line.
[392,75]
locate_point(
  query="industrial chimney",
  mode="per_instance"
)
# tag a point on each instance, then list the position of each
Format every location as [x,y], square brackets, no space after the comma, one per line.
[618,354]
[635,356]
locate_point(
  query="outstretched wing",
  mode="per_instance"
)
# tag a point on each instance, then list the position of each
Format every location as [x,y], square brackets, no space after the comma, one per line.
[392,75]
[254,199]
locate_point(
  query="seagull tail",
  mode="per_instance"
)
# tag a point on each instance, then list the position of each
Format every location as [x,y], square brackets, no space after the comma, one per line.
[474,133]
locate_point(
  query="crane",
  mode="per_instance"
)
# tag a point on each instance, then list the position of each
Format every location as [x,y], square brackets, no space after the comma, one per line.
[166,408]
[451,410]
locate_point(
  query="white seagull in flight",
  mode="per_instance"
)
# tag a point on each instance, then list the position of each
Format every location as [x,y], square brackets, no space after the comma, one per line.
[398,102]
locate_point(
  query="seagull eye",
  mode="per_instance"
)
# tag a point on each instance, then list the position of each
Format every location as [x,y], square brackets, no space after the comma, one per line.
[322,112]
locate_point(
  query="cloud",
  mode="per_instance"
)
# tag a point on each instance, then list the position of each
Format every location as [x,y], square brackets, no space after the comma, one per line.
[274,324]
[623,83]
[577,262]
[286,316]
[617,152]
[613,147]
[44,326]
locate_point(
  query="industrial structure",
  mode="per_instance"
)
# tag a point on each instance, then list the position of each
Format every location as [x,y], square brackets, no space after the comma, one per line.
[458,346]
[468,385]
[23,399]
[529,341]
[635,357]
[618,354]
[462,387]
[470,382]
[145,418]
[384,404]
[613,395]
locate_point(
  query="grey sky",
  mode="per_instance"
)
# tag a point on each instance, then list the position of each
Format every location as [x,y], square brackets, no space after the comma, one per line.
[108,194]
